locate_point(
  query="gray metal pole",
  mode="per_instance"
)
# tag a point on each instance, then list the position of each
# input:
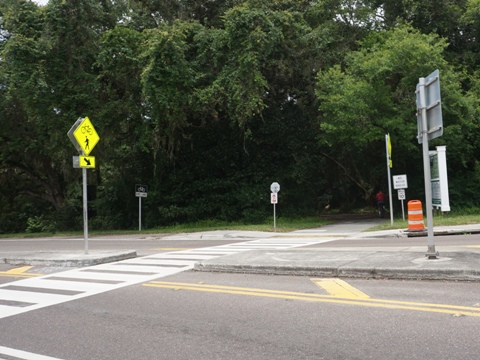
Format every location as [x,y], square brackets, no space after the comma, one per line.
[85,210]
[274,217]
[139,213]
[389,181]
[431,253]
[403,212]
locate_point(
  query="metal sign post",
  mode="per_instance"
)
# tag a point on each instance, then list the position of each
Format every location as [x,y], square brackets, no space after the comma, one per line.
[401,197]
[431,253]
[430,126]
[84,137]
[387,140]
[140,191]
[139,213]
[274,188]
[274,201]
[400,184]
[85,209]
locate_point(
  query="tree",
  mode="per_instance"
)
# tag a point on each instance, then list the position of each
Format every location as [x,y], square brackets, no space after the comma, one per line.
[46,68]
[208,102]
[374,96]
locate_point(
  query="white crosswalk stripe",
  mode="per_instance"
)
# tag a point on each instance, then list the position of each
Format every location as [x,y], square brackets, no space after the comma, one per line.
[8,353]
[39,292]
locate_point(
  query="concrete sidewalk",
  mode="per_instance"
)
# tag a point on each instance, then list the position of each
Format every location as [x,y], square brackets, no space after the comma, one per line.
[453,263]
[394,263]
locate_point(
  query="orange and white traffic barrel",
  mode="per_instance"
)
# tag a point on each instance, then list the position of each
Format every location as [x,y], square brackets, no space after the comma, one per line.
[415,216]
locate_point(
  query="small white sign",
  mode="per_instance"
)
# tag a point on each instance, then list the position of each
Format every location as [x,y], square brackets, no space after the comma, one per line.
[274,198]
[275,187]
[439,179]
[401,194]
[400,182]
[76,162]
[141,190]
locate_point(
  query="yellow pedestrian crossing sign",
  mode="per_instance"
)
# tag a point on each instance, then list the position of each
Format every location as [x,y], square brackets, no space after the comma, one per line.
[87,162]
[86,136]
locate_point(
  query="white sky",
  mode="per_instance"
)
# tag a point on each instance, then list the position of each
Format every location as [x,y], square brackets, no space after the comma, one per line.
[40,2]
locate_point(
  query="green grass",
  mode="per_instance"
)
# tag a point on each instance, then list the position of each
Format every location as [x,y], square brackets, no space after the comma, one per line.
[447,219]
[283,225]
[471,216]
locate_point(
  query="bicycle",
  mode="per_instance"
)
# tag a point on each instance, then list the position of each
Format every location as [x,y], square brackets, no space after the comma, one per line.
[381,210]
[87,129]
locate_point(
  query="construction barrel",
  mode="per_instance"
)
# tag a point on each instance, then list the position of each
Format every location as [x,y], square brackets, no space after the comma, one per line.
[415,216]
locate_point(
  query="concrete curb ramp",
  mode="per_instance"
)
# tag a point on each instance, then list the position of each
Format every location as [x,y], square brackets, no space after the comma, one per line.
[67,259]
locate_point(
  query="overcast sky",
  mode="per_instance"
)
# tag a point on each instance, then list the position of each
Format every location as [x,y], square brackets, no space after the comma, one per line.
[41,2]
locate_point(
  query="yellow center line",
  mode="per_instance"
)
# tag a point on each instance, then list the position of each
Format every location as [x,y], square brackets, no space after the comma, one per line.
[340,288]
[19,272]
[389,304]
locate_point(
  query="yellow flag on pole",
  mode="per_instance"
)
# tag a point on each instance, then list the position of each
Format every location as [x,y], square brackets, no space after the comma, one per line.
[389,151]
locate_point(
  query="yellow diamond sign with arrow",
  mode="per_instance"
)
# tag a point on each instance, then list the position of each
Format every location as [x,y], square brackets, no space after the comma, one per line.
[86,136]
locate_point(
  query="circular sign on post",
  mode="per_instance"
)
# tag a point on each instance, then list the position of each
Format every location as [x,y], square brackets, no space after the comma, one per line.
[275,187]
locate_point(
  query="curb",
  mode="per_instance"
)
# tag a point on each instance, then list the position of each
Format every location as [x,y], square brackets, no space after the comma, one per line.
[68,260]
[346,272]
[413,233]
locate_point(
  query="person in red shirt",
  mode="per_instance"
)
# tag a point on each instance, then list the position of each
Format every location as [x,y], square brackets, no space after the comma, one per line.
[380,203]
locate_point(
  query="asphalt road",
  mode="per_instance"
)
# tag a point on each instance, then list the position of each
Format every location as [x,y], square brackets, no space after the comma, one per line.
[227,316]
[144,245]
[193,315]
[148,245]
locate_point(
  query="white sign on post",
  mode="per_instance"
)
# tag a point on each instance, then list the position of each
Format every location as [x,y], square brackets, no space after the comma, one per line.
[274,188]
[439,179]
[274,198]
[400,182]
[402,197]
[140,191]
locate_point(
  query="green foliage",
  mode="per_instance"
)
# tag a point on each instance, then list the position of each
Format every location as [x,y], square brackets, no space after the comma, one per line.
[209,102]
[372,96]
[39,224]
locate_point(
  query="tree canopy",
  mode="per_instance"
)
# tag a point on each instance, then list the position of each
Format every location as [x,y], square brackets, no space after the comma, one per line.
[209,102]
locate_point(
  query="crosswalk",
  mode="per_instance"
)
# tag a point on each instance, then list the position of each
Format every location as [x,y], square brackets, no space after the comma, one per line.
[7,353]
[38,292]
